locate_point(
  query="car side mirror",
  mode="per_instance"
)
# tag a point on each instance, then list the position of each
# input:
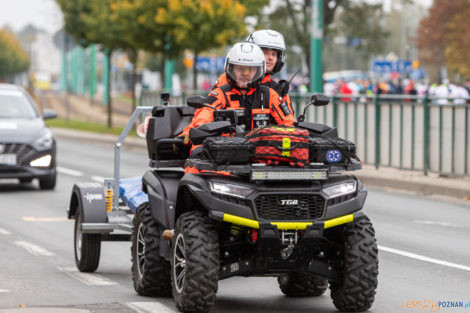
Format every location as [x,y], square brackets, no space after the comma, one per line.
[48,114]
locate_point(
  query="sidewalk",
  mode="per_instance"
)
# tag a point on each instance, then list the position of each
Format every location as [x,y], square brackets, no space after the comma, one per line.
[389,178]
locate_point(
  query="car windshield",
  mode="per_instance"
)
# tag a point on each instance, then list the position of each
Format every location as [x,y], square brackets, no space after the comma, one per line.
[14,104]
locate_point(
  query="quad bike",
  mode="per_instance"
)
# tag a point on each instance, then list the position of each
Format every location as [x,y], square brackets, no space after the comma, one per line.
[304,225]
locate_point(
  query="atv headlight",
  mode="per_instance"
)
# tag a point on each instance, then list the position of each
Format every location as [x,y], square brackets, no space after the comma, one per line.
[43,161]
[44,141]
[340,189]
[230,189]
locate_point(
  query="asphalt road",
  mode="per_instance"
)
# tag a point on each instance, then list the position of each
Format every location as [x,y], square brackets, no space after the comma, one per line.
[424,251]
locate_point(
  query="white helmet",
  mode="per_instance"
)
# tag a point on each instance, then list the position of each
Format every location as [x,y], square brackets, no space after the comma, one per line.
[245,65]
[270,39]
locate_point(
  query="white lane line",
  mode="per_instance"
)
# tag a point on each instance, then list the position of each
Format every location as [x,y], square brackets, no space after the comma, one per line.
[149,307]
[33,249]
[98,179]
[4,232]
[438,224]
[89,279]
[4,290]
[425,258]
[69,171]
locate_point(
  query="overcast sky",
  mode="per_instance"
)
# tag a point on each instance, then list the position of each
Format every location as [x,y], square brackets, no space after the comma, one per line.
[43,14]
[46,14]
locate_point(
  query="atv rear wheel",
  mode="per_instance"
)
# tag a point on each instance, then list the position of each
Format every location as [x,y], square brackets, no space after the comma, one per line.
[360,267]
[87,246]
[302,285]
[195,262]
[150,271]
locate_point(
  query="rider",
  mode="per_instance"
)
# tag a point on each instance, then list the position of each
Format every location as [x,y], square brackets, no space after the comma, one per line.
[259,105]
[274,49]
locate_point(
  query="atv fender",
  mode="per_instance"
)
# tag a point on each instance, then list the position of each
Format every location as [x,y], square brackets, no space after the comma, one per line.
[161,187]
[91,199]
[194,193]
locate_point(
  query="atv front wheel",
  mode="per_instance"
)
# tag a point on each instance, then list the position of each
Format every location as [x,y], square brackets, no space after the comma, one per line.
[360,268]
[302,285]
[195,262]
[150,271]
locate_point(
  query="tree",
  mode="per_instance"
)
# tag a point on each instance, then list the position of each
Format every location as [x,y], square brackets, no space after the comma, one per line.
[202,25]
[13,58]
[292,19]
[93,22]
[458,48]
[433,36]
[142,31]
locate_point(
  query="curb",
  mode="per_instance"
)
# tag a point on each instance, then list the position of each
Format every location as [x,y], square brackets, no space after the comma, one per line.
[416,182]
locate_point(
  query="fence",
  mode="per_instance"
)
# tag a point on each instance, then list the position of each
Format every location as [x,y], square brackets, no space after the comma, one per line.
[405,132]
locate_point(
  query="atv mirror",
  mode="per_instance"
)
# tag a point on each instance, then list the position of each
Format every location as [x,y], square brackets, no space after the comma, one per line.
[197,102]
[319,100]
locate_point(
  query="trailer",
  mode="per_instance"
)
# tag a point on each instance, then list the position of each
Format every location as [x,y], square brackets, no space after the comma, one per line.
[104,212]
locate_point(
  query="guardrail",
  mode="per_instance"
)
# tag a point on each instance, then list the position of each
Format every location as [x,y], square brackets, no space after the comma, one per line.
[400,131]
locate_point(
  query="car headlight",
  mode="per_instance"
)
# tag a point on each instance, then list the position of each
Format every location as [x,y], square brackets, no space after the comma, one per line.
[230,189]
[44,141]
[43,161]
[340,189]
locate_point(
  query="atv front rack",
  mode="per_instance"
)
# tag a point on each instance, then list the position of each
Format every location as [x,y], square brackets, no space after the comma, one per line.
[259,171]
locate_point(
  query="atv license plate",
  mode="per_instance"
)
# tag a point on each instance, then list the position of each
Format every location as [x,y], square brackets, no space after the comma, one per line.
[8,159]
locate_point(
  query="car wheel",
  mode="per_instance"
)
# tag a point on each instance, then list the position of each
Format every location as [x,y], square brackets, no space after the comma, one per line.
[356,292]
[302,285]
[195,262]
[87,246]
[150,271]
[48,182]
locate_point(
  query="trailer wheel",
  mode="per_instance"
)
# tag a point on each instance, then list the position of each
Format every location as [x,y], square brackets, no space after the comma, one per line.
[302,285]
[87,246]
[150,271]
[195,262]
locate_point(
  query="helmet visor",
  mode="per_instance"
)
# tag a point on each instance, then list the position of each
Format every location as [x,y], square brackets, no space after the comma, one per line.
[245,75]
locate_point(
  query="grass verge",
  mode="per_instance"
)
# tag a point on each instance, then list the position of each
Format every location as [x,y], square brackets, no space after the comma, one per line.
[87,126]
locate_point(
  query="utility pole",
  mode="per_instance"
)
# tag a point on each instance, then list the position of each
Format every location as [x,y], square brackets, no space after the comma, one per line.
[316,44]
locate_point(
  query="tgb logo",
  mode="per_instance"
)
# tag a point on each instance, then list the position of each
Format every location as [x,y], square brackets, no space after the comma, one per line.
[93,196]
[289,202]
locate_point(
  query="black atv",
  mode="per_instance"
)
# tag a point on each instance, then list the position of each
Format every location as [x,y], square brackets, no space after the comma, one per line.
[302,225]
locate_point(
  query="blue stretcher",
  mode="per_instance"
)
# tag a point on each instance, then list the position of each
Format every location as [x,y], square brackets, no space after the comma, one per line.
[130,190]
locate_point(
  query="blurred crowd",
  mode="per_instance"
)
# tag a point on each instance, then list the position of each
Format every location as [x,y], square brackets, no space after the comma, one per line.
[443,93]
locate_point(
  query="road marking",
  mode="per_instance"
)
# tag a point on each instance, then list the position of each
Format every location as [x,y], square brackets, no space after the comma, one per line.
[4,232]
[150,307]
[438,224]
[90,279]
[33,249]
[4,290]
[44,219]
[425,258]
[68,171]
[98,179]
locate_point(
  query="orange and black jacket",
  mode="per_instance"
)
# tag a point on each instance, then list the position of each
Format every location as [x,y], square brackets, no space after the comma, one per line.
[259,105]
[267,81]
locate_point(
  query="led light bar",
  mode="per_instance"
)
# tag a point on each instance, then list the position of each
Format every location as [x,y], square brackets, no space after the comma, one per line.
[289,175]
